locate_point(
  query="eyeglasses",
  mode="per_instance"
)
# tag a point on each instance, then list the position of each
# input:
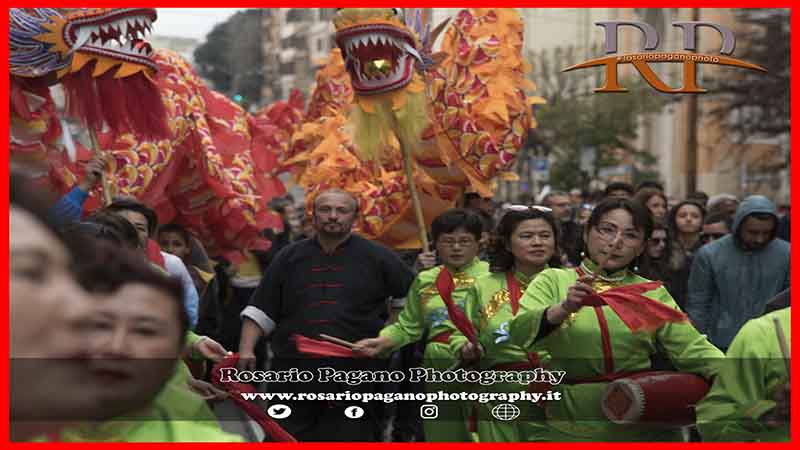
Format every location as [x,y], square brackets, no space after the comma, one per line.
[522,208]
[452,242]
[609,233]
[711,236]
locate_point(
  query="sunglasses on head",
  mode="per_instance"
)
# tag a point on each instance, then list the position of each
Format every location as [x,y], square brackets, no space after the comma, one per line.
[526,208]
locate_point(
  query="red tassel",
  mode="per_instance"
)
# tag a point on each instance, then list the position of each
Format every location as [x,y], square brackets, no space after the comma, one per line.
[18,103]
[638,312]
[81,98]
[270,427]
[446,286]
[131,104]
[313,347]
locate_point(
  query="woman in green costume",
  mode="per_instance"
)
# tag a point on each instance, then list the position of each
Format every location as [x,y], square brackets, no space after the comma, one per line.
[592,344]
[749,400]
[526,244]
[137,332]
[455,235]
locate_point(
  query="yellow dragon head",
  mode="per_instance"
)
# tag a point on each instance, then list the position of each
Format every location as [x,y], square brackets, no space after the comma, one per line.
[386,51]
[379,48]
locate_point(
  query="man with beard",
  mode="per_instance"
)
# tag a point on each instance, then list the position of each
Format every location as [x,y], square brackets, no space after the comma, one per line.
[734,277]
[336,284]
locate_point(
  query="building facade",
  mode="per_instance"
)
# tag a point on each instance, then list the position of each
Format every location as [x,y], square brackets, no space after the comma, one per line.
[296,41]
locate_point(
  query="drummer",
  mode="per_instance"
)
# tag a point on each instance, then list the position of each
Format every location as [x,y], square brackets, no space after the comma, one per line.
[592,343]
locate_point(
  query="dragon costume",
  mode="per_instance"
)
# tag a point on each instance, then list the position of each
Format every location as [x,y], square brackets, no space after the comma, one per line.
[198,170]
[462,112]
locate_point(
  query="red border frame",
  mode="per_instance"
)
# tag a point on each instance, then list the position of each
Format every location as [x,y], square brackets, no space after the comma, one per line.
[795,184]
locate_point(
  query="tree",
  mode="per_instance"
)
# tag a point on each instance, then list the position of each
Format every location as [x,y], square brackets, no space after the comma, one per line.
[575,118]
[211,58]
[232,57]
[755,104]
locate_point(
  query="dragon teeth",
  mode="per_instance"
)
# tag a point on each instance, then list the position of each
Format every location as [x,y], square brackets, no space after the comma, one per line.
[84,34]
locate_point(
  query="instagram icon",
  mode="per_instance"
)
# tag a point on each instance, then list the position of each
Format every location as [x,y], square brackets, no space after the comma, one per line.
[429,411]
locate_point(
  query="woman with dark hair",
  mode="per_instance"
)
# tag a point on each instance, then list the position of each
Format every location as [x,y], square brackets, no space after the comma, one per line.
[563,312]
[456,235]
[654,200]
[138,332]
[685,223]
[655,260]
[527,243]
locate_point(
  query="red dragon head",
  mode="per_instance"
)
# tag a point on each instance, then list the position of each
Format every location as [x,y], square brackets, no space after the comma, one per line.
[79,47]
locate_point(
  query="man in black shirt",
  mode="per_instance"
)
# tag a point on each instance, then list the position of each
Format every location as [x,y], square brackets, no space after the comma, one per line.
[337,284]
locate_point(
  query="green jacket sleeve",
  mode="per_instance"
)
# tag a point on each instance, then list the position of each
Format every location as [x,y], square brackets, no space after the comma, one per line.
[689,350]
[410,324]
[191,339]
[540,295]
[741,393]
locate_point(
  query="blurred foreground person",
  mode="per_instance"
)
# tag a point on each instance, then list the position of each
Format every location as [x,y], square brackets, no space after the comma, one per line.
[137,332]
[47,344]
[750,399]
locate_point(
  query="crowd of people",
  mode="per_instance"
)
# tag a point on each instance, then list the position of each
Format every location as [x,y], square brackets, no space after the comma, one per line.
[116,320]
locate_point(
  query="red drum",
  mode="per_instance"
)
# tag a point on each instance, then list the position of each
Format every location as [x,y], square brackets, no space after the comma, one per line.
[664,398]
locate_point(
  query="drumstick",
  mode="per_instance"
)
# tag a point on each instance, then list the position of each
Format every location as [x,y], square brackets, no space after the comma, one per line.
[782,342]
[602,262]
[336,340]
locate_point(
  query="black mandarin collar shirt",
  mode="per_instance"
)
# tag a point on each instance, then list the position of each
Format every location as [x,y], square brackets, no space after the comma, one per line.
[343,294]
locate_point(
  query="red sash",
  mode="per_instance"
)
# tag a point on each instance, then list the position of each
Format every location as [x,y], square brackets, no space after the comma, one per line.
[322,349]
[442,338]
[270,427]
[638,312]
[446,286]
[514,290]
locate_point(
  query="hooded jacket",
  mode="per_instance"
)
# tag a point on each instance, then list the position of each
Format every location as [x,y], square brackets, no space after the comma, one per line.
[729,285]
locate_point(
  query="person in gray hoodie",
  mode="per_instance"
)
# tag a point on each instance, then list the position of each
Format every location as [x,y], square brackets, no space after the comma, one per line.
[734,277]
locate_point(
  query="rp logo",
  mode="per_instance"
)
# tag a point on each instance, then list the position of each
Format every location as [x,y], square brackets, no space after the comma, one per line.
[639,60]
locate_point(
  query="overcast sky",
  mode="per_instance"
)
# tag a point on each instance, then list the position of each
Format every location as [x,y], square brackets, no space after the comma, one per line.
[190,22]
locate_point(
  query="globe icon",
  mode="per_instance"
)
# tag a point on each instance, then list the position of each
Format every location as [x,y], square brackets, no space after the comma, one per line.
[505,411]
